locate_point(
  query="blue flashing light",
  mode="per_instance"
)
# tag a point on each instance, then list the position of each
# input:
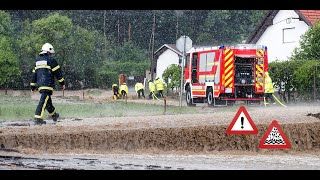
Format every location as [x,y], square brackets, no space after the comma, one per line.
[221,47]
[265,48]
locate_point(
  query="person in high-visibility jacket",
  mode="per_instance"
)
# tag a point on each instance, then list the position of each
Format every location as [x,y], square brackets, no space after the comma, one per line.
[268,88]
[159,86]
[124,90]
[139,87]
[152,89]
[115,90]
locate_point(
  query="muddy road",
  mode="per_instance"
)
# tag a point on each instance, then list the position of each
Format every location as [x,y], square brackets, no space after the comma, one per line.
[168,142]
[214,161]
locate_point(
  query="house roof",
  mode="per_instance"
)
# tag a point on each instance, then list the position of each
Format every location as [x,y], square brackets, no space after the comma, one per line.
[167,46]
[308,16]
[163,48]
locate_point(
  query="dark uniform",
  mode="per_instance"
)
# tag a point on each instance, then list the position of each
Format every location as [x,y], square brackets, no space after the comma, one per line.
[115,90]
[43,75]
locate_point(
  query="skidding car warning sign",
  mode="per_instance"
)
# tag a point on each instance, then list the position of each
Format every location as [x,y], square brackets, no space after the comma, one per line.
[274,137]
[242,123]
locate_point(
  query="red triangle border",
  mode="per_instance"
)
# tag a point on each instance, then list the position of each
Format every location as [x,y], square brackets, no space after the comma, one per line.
[242,109]
[265,136]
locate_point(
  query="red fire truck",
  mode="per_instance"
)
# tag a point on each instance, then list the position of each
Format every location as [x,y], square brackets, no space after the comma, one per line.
[222,75]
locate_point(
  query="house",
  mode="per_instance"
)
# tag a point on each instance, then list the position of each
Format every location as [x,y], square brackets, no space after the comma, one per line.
[166,55]
[281,31]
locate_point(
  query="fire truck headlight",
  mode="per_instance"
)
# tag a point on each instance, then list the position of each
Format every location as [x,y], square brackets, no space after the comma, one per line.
[243,81]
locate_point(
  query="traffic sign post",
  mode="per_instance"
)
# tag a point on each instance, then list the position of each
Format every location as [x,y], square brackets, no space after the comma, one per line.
[183,44]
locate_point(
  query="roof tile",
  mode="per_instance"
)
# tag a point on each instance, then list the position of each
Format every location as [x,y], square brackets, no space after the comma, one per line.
[311,15]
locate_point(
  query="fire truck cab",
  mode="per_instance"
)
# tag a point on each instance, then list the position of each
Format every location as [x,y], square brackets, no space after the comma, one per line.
[222,75]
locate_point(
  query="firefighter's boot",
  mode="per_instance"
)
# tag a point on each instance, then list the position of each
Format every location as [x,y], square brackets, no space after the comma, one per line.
[38,121]
[55,117]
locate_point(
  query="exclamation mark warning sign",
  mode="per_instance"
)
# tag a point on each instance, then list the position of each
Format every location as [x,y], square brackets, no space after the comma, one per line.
[242,123]
[242,119]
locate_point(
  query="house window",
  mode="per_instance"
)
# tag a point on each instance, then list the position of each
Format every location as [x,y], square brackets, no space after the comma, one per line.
[288,35]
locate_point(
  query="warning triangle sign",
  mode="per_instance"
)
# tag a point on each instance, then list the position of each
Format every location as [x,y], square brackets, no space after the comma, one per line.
[242,123]
[274,137]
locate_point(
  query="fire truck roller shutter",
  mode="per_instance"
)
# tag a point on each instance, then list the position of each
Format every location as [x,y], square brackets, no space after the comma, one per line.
[259,71]
[228,70]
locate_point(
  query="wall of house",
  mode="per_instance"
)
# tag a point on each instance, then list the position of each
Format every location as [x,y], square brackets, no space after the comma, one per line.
[164,60]
[283,36]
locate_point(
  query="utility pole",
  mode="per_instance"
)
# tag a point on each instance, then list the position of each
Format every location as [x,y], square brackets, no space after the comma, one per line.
[177,26]
[104,30]
[152,46]
[314,84]
[118,24]
[129,33]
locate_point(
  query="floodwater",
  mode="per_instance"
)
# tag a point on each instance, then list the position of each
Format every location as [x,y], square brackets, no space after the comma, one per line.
[220,161]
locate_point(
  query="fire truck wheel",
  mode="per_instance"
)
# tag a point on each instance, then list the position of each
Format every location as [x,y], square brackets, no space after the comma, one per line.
[188,98]
[210,97]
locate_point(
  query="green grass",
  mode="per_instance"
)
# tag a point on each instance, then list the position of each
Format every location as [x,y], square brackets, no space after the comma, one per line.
[94,92]
[23,108]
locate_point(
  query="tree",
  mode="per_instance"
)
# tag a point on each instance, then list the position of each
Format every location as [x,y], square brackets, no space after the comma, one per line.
[304,79]
[9,71]
[308,55]
[282,75]
[76,48]
[232,26]
[172,76]
[206,39]
[309,47]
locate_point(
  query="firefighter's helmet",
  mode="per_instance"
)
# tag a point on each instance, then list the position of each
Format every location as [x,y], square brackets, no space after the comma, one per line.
[47,48]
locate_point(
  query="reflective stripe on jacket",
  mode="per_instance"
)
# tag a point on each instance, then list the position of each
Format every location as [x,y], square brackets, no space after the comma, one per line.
[45,70]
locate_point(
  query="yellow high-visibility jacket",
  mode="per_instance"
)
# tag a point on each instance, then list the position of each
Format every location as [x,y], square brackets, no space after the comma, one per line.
[159,84]
[268,86]
[152,87]
[124,87]
[138,86]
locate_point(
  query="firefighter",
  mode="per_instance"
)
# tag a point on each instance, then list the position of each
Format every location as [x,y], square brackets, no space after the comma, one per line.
[159,86]
[152,89]
[45,70]
[268,89]
[115,90]
[124,90]
[139,87]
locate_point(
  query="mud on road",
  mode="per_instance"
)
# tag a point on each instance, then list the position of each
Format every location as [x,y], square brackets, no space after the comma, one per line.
[163,161]
[149,142]
[163,133]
